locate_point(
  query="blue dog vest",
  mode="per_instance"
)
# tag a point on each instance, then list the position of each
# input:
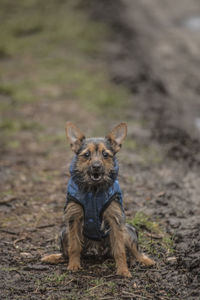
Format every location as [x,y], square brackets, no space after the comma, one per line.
[94,204]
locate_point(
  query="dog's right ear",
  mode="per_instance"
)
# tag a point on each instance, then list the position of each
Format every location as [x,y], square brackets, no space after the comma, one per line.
[75,136]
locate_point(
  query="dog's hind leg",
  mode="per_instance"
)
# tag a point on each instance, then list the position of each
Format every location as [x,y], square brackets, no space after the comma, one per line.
[59,257]
[131,242]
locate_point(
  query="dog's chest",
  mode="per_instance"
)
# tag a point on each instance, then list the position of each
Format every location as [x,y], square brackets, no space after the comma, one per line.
[94,204]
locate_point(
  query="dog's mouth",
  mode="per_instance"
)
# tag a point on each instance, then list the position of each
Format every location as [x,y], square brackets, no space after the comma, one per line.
[96,177]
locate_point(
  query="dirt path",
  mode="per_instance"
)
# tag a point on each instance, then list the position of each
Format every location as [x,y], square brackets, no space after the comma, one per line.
[53,69]
[157,56]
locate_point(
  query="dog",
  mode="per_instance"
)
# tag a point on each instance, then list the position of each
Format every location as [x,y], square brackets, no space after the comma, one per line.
[93,215]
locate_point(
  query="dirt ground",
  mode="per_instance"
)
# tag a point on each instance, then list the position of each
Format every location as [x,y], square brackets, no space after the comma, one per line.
[55,58]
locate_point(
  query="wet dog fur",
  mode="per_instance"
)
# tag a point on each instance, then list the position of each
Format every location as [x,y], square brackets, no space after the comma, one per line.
[95,170]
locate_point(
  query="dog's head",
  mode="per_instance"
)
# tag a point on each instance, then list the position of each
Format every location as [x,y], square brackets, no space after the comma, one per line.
[95,164]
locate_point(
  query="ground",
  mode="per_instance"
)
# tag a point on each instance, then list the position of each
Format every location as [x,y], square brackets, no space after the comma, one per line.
[97,65]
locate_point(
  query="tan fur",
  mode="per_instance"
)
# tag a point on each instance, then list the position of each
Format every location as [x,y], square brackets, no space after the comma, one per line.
[121,236]
[74,135]
[53,258]
[140,257]
[114,217]
[83,163]
[102,147]
[73,216]
[117,136]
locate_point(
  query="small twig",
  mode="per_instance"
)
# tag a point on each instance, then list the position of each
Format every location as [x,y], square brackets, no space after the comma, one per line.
[31,229]
[19,240]
[45,226]
[133,295]
[69,282]
[111,275]
[8,231]
[50,240]
[154,236]
[7,201]
[96,286]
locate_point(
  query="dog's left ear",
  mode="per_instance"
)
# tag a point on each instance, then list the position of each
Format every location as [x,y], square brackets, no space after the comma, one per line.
[117,136]
[75,136]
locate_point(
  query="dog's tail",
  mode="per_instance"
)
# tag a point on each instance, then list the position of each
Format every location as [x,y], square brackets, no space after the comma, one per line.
[53,258]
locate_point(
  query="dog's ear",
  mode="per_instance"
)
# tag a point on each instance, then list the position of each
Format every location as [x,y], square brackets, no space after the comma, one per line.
[75,136]
[117,136]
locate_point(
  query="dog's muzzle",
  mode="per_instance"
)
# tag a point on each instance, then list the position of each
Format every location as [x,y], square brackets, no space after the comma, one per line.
[96,171]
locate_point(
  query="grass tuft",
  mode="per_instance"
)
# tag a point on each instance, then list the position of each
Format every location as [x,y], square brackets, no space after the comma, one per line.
[142,221]
[156,241]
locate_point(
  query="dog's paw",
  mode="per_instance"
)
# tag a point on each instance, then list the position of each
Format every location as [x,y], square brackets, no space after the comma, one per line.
[74,267]
[147,261]
[53,258]
[124,273]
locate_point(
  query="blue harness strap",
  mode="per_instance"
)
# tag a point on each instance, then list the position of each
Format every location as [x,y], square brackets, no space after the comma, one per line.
[94,203]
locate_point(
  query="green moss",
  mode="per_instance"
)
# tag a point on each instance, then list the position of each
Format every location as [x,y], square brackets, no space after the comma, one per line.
[5,90]
[4,53]
[11,126]
[156,239]
[52,51]
[98,95]
[14,144]
[142,221]
[168,242]
[9,269]
[30,29]
[7,193]
[63,23]
[57,278]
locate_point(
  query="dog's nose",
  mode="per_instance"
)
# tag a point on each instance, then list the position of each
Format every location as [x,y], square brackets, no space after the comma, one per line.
[96,166]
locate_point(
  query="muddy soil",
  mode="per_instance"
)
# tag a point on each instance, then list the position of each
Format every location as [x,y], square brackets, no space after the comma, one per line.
[152,52]
[156,56]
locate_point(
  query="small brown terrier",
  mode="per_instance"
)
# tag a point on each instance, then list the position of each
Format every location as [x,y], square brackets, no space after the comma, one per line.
[94,216]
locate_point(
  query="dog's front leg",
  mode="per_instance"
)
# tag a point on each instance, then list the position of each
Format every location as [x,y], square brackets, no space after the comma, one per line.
[114,216]
[74,215]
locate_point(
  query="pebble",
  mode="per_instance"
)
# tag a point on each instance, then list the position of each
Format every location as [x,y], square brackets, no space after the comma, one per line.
[171,260]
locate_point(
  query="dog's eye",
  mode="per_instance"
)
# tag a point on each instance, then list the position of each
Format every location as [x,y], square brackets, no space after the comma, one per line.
[87,154]
[105,154]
